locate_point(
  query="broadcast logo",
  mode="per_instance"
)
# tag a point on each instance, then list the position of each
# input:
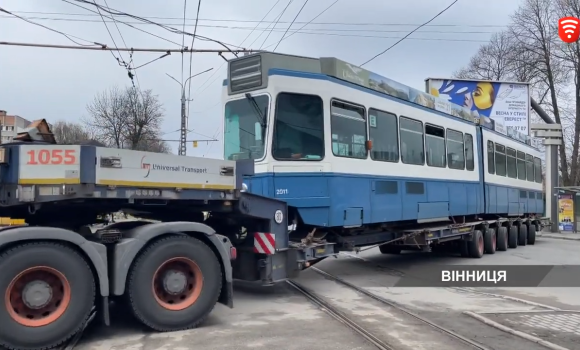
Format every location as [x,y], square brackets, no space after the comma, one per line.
[569,29]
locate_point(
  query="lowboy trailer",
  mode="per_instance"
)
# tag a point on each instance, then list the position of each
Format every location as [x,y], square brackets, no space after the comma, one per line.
[174,265]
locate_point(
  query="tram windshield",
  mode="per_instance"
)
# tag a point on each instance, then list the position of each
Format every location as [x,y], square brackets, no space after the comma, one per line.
[245,127]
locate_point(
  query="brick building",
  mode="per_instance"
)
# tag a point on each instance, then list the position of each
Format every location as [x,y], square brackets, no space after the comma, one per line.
[11,125]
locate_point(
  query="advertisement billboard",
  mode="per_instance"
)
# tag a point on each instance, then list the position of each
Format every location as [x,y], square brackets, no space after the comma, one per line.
[506,103]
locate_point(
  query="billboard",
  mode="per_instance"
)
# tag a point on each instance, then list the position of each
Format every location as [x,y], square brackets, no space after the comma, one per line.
[507,104]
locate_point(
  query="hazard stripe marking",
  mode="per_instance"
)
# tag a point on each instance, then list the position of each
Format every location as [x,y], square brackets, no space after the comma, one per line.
[264,243]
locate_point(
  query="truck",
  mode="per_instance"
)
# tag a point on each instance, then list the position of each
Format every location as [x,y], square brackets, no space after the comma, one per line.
[169,268]
[268,211]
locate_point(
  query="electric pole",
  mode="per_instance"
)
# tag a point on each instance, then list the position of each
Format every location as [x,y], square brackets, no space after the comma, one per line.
[183,128]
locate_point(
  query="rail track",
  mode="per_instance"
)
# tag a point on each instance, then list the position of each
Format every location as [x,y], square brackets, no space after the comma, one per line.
[335,313]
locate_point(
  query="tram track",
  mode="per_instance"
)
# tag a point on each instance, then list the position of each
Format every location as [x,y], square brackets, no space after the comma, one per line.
[340,316]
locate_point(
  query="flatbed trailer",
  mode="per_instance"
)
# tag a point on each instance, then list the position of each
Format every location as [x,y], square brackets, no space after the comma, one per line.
[57,268]
[170,268]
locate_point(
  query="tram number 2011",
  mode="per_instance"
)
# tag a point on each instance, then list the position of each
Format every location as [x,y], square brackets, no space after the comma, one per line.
[53,157]
[281,191]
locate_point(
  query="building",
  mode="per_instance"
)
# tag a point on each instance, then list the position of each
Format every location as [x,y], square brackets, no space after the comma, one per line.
[11,125]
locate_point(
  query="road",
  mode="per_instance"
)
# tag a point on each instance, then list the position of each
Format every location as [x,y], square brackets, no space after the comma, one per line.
[279,317]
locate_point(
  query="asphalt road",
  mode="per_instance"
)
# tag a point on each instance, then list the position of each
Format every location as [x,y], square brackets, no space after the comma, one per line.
[279,317]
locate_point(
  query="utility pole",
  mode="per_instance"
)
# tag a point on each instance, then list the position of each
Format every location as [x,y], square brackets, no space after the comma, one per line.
[183,128]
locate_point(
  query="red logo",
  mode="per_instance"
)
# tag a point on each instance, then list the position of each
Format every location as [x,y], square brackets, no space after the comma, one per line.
[569,29]
[145,166]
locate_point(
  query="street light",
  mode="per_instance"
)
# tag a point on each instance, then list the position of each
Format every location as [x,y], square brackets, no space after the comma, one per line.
[182,142]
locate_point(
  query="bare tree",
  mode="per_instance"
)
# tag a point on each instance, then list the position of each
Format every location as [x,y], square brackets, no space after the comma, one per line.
[530,51]
[68,133]
[127,118]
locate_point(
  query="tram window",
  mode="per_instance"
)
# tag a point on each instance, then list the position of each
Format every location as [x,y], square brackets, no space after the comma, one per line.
[384,136]
[538,169]
[529,168]
[500,160]
[521,165]
[298,128]
[455,150]
[435,146]
[412,151]
[512,168]
[469,160]
[490,158]
[348,128]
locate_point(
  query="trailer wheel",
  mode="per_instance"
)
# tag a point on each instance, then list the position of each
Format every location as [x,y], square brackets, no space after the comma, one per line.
[532,234]
[476,246]
[489,240]
[523,235]
[502,239]
[49,293]
[174,284]
[390,249]
[513,237]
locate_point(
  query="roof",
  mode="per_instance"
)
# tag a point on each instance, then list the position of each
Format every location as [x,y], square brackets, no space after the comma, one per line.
[38,130]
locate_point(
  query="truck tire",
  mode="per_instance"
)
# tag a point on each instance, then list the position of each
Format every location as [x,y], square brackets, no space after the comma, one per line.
[390,249]
[523,235]
[174,283]
[476,246]
[513,237]
[49,293]
[532,234]
[502,239]
[489,241]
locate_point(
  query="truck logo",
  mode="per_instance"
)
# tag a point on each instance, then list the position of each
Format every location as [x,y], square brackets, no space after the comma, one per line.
[146,166]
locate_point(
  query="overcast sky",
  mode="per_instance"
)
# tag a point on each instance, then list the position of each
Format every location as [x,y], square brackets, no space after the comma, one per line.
[57,84]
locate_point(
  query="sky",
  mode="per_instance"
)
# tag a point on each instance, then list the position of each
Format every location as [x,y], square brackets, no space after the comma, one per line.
[58,84]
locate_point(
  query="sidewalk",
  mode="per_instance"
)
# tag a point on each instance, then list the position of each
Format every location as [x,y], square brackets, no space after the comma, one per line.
[561,235]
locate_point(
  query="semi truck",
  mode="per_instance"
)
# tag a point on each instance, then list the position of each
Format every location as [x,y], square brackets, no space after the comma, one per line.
[171,267]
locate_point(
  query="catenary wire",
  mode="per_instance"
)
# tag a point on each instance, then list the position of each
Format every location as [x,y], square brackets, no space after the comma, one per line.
[281,22]
[291,24]
[125,23]
[168,28]
[183,39]
[68,36]
[312,20]
[275,24]
[242,43]
[411,32]
[253,28]
[191,61]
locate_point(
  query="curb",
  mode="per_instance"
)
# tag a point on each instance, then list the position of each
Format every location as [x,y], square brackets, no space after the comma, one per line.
[507,297]
[522,335]
[557,237]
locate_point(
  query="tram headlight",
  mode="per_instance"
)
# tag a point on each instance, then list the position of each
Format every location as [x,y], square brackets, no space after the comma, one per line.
[244,187]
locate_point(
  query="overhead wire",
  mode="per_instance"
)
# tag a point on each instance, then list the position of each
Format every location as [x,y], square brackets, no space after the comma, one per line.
[290,26]
[410,33]
[183,38]
[280,22]
[275,24]
[242,43]
[168,28]
[68,36]
[125,23]
[191,62]
[268,28]
[120,60]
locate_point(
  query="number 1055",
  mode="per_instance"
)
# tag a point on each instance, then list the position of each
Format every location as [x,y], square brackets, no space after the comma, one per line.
[54,157]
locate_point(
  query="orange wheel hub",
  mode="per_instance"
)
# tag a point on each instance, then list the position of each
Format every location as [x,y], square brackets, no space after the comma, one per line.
[177,284]
[37,296]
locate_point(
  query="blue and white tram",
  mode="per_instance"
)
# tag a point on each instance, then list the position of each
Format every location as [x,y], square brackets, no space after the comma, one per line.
[343,155]
[512,176]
